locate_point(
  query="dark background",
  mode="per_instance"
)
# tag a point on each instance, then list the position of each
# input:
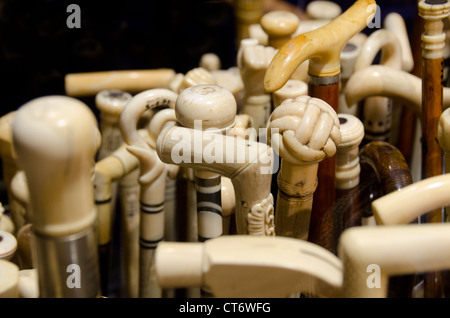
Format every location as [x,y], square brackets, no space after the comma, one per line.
[37,49]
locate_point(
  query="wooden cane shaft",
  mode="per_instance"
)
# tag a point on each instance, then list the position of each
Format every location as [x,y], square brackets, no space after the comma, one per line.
[294,203]
[325,194]
[432,161]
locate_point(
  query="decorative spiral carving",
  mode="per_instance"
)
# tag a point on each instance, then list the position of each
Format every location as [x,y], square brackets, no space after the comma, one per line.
[304,130]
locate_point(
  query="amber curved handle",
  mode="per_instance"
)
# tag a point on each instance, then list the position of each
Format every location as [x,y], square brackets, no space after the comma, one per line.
[322,46]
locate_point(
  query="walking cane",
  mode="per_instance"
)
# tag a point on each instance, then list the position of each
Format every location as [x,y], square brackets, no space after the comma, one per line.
[207,107]
[377,114]
[152,179]
[373,254]
[322,47]
[432,90]
[59,177]
[110,104]
[253,60]
[228,265]
[304,131]
[347,210]
[132,81]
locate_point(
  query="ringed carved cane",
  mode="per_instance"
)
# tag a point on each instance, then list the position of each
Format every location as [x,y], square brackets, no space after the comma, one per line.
[228,265]
[303,131]
[433,42]
[152,179]
[322,47]
[132,81]
[108,171]
[213,108]
[62,208]
[110,104]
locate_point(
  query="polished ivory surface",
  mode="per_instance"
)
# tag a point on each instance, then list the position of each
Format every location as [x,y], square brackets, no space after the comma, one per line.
[56,138]
[249,266]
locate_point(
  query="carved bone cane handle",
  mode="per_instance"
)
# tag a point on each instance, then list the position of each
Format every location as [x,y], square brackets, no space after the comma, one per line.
[207,107]
[152,180]
[62,207]
[247,163]
[227,265]
[303,131]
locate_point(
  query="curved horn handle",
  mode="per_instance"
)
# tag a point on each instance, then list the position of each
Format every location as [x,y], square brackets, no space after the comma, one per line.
[322,46]
[140,103]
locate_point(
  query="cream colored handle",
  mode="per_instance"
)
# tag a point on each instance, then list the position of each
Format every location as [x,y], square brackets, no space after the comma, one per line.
[373,254]
[133,81]
[379,80]
[322,46]
[412,201]
[382,40]
[250,164]
[395,23]
[9,280]
[56,138]
[227,265]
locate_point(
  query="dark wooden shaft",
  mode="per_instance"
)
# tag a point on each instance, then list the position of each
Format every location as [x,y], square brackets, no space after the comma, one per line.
[325,194]
[432,91]
[432,157]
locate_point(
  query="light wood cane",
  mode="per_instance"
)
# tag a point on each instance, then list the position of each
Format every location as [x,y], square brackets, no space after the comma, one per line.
[228,266]
[244,162]
[322,47]
[303,131]
[62,208]
[433,42]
